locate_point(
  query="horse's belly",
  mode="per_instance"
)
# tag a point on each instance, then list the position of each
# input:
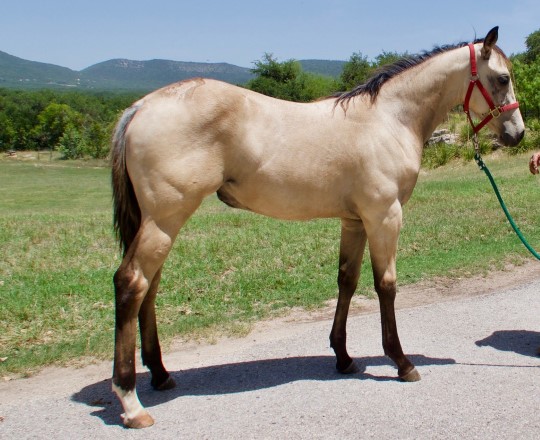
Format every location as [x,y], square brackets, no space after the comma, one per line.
[282,203]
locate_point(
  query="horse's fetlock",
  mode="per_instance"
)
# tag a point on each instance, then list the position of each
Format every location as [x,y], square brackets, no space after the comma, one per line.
[124,380]
[338,340]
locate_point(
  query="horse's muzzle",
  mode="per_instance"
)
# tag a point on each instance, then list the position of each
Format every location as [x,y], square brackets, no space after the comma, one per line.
[512,140]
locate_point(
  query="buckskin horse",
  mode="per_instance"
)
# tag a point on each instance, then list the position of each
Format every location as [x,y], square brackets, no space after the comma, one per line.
[354,156]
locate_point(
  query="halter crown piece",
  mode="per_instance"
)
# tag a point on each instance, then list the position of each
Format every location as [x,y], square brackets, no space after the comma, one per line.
[494,111]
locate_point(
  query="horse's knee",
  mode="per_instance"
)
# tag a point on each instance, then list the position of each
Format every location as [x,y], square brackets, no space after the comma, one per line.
[386,286]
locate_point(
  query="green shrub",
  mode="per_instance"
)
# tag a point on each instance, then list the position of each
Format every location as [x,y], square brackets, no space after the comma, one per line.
[438,155]
[71,145]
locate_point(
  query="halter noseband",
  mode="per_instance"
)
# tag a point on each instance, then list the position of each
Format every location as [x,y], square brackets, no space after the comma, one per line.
[494,111]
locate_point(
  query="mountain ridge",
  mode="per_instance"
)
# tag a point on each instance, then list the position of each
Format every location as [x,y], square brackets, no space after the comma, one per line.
[125,74]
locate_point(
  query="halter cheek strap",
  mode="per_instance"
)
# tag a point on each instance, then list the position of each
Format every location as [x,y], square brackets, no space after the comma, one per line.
[494,111]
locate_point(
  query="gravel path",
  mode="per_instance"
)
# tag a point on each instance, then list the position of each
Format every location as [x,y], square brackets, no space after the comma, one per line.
[477,357]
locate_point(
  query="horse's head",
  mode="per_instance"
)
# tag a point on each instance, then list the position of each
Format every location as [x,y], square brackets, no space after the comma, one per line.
[491,94]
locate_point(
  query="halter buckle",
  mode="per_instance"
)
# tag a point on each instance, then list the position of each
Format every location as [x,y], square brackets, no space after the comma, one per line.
[495,112]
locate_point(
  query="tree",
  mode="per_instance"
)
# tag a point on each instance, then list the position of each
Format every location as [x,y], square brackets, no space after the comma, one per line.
[532,42]
[287,80]
[18,111]
[356,71]
[39,119]
[526,68]
[53,122]
[270,68]
[527,77]
[71,144]
[97,139]
[274,78]
[388,58]
[7,133]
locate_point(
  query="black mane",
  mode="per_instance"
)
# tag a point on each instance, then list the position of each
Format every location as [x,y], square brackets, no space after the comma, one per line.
[385,73]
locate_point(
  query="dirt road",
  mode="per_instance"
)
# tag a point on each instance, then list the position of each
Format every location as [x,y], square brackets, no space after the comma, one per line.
[473,341]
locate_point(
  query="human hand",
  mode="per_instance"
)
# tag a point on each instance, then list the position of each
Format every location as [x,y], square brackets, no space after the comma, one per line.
[534,162]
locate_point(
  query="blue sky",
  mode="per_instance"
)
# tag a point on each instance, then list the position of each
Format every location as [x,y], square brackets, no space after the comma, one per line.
[77,34]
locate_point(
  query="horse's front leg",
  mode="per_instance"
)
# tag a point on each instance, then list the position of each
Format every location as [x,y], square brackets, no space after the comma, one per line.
[352,245]
[383,248]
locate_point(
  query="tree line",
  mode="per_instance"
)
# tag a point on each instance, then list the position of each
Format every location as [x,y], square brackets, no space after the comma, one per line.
[79,124]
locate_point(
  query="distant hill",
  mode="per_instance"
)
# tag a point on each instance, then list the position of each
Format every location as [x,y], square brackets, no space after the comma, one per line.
[152,74]
[122,74]
[16,72]
[323,67]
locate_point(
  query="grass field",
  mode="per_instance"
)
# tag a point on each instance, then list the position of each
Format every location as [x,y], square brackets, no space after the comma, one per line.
[228,267]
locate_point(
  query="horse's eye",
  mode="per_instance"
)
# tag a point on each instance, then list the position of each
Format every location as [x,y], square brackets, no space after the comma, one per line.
[503,80]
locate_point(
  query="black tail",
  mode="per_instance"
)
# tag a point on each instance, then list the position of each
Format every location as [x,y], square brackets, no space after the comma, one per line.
[127,214]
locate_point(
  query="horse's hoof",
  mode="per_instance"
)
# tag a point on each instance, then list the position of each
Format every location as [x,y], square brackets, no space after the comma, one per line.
[167,385]
[411,376]
[142,420]
[351,369]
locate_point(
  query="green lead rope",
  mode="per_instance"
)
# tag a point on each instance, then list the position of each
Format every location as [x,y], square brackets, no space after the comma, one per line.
[484,168]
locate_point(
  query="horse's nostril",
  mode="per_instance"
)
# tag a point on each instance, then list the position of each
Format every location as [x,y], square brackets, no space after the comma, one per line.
[512,141]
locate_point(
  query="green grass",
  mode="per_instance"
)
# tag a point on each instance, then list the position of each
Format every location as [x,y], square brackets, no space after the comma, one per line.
[228,267]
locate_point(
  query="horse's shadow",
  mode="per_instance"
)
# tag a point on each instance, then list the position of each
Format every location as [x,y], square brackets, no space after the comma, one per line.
[523,342]
[235,378]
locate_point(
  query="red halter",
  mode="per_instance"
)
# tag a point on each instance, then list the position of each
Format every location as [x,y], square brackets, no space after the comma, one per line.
[494,111]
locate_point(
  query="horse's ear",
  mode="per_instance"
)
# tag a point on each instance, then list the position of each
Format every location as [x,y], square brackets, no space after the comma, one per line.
[489,42]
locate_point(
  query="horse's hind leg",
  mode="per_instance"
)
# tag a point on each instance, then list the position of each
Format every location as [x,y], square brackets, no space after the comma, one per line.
[353,242]
[383,248]
[138,276]
[150,349]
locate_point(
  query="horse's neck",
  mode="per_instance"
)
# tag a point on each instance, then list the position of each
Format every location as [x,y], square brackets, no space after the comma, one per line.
[422,97]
